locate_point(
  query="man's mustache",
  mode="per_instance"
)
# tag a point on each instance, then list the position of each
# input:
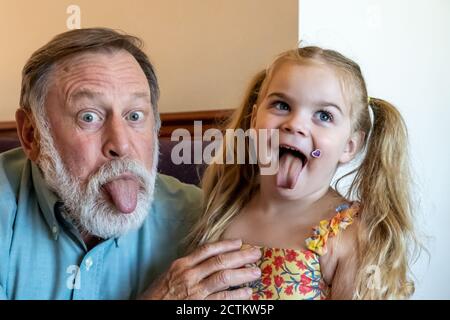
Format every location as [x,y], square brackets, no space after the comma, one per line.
[116,168]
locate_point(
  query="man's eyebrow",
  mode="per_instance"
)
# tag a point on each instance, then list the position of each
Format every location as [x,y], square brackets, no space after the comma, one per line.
[141,95]
[84,93]
[89,94]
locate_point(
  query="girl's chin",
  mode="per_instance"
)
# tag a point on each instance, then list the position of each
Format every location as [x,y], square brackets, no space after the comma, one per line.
[290,194]
[269,183]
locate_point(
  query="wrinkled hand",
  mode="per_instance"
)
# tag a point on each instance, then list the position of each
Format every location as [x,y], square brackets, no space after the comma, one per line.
[208,273]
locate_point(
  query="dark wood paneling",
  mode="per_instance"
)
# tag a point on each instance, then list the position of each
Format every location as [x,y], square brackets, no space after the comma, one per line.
[8,129]
[169,122]
[210,119]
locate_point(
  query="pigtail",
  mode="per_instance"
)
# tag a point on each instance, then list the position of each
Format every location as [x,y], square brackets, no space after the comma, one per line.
[382,184]
[227,187]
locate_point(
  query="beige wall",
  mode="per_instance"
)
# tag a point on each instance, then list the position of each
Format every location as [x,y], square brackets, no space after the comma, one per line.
[204,51]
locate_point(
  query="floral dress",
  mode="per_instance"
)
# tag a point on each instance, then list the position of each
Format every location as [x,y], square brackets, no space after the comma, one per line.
[295,274]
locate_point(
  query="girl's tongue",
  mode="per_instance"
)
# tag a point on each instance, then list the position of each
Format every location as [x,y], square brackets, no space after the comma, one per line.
[289,170]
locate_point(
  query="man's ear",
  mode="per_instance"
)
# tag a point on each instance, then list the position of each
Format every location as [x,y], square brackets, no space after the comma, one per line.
[352,147]
[253,118]
[28,134]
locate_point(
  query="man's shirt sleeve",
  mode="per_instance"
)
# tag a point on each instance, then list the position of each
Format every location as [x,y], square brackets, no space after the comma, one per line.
[3,293]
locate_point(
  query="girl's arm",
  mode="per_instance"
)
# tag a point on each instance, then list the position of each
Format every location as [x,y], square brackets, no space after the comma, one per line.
[345,248]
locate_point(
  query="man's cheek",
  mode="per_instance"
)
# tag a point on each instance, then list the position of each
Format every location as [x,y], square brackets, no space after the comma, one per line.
[79,167]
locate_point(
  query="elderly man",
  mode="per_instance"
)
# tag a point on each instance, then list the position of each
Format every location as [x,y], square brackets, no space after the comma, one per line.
[83,213]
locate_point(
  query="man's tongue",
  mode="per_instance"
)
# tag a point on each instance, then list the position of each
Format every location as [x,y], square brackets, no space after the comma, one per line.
[123,193]
[289,169]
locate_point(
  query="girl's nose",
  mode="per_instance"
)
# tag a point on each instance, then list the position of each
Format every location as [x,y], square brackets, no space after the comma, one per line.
[296,124]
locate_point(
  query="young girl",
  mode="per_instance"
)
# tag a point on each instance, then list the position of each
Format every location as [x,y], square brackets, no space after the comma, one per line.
[316,243]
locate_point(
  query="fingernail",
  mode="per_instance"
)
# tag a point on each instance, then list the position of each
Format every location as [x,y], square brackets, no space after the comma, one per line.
[256,271]
[256,252]
[237,242]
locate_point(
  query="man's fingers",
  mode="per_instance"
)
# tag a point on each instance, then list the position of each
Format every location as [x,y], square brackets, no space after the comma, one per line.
[208,270]
[211,249]
[229,260]
[237,294]
[224,279]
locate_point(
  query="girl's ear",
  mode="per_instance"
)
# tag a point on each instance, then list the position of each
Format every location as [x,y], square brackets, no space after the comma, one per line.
[253,118]
[352,147]
[28,135]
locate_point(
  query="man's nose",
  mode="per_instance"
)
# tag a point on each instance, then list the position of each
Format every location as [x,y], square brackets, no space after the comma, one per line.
[117,142]
[296,124]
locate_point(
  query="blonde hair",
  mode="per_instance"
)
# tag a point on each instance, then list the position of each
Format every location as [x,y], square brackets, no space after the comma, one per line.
[381,182]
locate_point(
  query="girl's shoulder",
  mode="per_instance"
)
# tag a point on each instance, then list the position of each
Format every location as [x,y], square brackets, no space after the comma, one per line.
[346,215]
[335,240]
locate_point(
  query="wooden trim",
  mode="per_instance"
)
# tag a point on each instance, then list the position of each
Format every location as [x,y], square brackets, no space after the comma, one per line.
[8,129]
[185,120]
[7,125]
[169,122]
[195,115]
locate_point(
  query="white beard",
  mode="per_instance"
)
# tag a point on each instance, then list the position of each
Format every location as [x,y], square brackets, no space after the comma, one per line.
[86,206]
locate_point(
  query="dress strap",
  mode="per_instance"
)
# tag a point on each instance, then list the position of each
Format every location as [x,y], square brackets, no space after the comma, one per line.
[330,228]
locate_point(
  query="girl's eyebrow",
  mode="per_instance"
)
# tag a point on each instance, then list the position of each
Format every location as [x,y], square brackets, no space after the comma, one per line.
[329,104]
[280,95]
[320,103]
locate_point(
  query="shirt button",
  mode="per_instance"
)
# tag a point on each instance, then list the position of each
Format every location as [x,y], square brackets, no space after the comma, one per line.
[55,229]
[89,263]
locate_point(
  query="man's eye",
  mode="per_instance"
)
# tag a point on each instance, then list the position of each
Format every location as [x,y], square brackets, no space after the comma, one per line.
[282,106]
[89,117]
[135,116]
[324,116]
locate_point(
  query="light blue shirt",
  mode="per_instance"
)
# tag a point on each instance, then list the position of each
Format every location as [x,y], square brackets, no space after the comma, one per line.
[42,256]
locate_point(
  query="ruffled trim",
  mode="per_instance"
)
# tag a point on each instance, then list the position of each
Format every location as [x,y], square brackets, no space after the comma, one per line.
[330,228]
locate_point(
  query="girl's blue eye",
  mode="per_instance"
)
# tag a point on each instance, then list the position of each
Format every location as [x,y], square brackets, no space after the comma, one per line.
[282,106]
[89,117]
[136,116]
[325,116]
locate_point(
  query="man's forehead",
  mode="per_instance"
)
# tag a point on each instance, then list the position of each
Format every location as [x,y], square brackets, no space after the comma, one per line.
[99,55]
[96,65]
[88,73]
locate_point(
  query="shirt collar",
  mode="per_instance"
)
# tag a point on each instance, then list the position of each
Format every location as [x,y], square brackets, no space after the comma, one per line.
[48,201]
